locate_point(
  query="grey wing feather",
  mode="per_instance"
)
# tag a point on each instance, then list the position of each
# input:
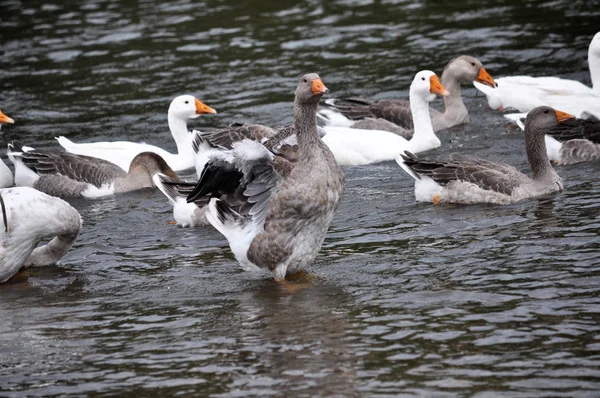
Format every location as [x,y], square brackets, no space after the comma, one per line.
[79,168]
[487,175]
[244,178]
[574,151]
[382,124]
[234,133]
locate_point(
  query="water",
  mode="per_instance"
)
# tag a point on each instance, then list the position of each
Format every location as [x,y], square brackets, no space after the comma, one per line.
[412,299]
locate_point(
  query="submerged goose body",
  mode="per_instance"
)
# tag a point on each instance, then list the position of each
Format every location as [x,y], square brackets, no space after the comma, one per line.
[357,147]
[28,216]
[275,212]
[121,153]
[463,69]
[6,177]
[524,93]
[64,174]
[468,180]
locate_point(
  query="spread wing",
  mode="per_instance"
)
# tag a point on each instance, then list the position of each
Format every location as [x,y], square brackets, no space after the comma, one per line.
[244,177]
[575,129]
[234,133]
[393,110]
[487,175]
[76,167]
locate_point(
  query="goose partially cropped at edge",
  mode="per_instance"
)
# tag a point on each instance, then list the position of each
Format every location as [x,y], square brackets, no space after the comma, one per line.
[6,177]
[524,93]
[275,212]
[468,180]
[63,174]
[121,153]
[460,70]
[357,147]
[29,216]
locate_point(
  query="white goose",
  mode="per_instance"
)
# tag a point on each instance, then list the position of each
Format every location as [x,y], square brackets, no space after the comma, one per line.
[121,153]
[352,146]
[6,177]
[28,216]
[524,93]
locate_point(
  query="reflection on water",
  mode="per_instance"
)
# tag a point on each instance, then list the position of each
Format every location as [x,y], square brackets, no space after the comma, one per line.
[411,300]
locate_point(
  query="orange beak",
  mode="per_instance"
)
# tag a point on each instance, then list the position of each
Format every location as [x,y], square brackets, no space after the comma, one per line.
[5,119]
[485,78]
[563,116]
[318,88]
[436,87]
[202,108]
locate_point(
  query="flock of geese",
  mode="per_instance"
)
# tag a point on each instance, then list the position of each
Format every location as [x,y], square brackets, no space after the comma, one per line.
[273,192]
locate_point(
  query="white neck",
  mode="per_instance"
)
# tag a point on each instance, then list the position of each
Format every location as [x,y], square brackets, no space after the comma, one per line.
[6,177]
[594,62]
[424,137]
[181,135]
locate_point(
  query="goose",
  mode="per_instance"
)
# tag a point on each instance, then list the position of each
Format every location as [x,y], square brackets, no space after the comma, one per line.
[273,211]
[524,93]
[358,147]
[463,69]
[122,153]
[6,177]
[65,174]
[468,180]
[28,217]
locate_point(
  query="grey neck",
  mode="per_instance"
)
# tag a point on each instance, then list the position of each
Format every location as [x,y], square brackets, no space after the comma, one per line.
[453,104]
[135,179]
[535,146]
[305,124]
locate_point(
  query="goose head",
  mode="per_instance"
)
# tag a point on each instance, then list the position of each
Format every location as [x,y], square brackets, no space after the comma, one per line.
[427,85]
[542,118]
[187,107]
[467,69]
[5,119]
[310,89]
[147,164]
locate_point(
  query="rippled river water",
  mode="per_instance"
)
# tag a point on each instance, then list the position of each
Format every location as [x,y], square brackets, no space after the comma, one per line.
[412,299]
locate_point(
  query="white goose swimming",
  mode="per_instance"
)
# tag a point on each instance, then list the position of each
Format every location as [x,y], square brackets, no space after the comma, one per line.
[468,180]
[29,216]
[6,177]
[524,93]
[121,153]
[352,146]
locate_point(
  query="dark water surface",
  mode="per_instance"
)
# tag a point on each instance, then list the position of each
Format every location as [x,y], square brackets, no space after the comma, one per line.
[412,300]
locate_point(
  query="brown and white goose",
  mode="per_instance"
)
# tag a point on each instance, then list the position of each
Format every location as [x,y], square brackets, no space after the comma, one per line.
[63,174]
[468,180]
[460,70]
[28,216]
[275,212]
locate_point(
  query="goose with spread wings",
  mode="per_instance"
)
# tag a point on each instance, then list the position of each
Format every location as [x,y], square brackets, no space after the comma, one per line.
[275,211]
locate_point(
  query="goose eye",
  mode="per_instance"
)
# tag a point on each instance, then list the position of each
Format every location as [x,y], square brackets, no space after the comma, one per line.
[546,111]
[473,63]
[305,81]
[423,78]
[187,102]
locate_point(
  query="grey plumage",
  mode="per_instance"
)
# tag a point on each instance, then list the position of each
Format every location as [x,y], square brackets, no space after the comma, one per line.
[275,211]
[465,179]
